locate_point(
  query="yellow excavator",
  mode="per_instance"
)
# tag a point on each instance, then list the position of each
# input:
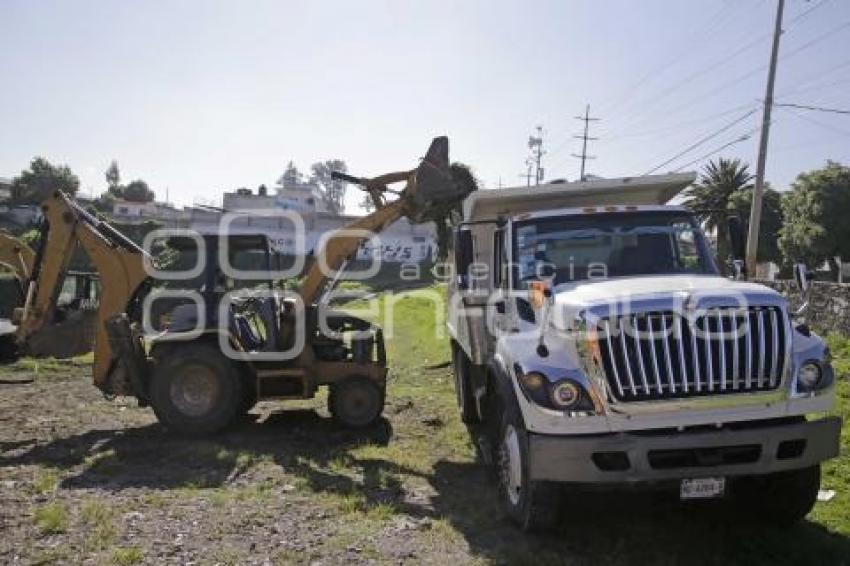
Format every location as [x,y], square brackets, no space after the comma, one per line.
[216,357]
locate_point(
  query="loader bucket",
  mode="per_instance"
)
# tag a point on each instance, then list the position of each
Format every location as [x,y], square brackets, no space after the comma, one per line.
[435,188]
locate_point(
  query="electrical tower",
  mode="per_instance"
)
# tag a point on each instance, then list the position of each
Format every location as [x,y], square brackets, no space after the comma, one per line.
[535,146]
[584,137]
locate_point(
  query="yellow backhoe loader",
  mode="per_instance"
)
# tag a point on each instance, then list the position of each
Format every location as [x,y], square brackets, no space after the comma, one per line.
[71,329]
[219,355]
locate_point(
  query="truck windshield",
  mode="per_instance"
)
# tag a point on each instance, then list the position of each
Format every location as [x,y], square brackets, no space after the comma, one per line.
[599,246]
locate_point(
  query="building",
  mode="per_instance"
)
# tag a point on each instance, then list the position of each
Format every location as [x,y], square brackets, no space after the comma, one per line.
[304,198]
[129,212]
[5,190]
[272,215]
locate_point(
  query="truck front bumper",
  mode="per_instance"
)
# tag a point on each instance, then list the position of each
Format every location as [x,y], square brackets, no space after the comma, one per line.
[650,456]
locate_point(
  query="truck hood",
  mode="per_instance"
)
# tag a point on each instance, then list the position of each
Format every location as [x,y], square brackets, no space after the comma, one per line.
[654,288]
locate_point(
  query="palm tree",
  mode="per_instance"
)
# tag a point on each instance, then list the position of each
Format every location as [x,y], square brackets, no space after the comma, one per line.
[709,198]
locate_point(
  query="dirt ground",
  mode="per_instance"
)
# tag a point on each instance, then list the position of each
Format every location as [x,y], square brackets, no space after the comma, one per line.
[86,480]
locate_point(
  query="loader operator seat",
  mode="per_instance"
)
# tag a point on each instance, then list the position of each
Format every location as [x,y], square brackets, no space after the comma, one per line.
[267,310]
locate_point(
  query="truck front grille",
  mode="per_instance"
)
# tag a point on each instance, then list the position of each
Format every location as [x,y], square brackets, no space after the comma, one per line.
[663,355]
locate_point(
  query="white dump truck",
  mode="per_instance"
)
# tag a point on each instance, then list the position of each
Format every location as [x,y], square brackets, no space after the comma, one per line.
[595,341]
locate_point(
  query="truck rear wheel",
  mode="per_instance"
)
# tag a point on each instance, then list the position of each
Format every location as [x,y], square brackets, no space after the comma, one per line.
[356,402]
[781,499]
[533,505]
[195,390]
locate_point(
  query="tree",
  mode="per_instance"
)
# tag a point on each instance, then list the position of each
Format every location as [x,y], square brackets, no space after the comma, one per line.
[291,177]
[138,191]
[38,182]
[709,197]
[816,214]
[771,220]
[332,190]
[446,214]
[113,176]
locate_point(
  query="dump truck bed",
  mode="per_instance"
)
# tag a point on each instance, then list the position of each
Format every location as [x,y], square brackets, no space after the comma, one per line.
[646,190]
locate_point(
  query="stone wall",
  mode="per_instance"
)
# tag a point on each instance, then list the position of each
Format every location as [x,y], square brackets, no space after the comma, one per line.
[829,303]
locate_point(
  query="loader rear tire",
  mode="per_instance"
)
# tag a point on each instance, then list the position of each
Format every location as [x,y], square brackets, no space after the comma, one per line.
[195,390]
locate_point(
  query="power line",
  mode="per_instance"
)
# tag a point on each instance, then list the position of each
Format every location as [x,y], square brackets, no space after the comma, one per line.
[743,138]
[713,26]
[747,74]
[584,137]
[815,108]
[818,123]
[679,125]
[701,141]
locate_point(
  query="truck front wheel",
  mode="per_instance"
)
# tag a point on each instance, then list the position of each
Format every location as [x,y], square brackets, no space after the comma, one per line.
[195,390]
[781,499]
[533,505]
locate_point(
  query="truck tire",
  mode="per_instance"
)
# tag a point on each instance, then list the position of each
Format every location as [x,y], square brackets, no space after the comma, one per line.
[356,402]
[781,499]
[533,505]
[461,368]
[195,390]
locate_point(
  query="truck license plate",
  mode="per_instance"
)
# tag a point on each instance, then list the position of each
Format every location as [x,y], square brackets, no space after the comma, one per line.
[702,488]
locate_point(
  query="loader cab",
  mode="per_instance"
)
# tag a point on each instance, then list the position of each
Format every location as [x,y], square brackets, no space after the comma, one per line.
[233,268]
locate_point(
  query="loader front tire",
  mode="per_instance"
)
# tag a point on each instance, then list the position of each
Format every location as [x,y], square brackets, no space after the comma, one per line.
[195,390]
[356,402]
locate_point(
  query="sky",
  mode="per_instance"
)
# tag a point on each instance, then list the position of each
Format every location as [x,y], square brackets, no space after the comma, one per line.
[201,97]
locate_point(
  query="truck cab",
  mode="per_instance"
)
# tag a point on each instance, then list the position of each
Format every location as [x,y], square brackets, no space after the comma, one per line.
[595,341]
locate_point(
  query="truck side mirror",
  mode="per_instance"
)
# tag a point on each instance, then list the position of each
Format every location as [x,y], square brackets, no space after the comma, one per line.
[463,257]
[802,276]
[736,238]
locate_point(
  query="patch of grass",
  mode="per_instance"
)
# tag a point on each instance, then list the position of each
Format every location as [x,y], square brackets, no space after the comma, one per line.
[381,511]
[51,518]
[839,345]
[126,555]
[39,367]
[156,500]
[289,557]
[46,481]
[100,520]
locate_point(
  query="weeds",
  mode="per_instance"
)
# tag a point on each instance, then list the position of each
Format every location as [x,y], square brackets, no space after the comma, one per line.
[51,518]
[124,556]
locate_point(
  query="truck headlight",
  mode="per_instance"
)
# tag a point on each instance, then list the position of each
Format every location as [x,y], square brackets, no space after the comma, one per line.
[561,395]
[809,376]
[565,395]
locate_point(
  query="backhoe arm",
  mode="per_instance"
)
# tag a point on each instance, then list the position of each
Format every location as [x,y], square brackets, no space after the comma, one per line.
[118,261]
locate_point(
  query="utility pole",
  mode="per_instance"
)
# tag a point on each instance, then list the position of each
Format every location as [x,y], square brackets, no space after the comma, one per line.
[758,191]
[584,137]
[535,145]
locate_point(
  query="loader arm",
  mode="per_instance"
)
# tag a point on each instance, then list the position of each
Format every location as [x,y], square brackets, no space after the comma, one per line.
[118,261]
[16,256]
[430,184]
[339,248]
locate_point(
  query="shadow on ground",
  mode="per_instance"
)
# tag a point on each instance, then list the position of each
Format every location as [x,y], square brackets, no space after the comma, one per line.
[597,528]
